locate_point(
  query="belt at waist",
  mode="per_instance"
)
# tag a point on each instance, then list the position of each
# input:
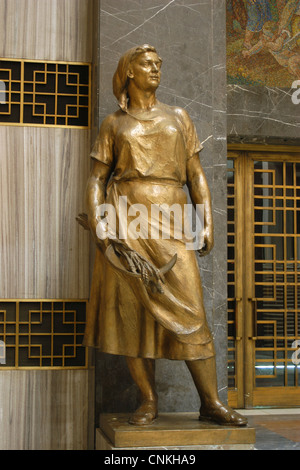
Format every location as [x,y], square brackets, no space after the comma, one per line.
[160,181]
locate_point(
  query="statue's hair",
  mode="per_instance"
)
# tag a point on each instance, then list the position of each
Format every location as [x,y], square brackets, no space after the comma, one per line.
[120,78]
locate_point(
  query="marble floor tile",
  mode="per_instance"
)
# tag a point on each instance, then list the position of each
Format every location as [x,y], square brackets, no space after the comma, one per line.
[276,429]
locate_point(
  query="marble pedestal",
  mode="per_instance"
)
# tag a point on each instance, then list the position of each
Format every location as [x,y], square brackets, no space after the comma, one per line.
[181,431]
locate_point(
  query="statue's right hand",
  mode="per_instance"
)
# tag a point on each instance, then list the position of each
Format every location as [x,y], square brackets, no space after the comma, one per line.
[87,224]
[102,245]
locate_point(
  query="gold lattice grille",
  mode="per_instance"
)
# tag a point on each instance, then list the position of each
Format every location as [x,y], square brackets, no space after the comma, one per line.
[231,241]
[35,93]
[263,275]
[42,334]
[276,271]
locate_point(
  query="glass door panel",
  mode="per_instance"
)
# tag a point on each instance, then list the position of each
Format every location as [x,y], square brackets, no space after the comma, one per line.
[275,272]
[263,279]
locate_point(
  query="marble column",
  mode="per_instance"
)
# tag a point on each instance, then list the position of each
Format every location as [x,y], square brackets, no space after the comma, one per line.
[191,39]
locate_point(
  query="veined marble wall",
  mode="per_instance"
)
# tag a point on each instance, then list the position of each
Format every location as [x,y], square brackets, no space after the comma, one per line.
[263,113]
[191,39]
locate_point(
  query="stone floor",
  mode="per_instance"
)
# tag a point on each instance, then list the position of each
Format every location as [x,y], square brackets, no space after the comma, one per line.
[276,429]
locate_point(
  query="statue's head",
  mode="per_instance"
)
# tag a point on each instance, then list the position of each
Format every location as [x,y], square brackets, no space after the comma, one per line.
[141,63]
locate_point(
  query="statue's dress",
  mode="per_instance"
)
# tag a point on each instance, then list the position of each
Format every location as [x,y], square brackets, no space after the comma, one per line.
[147,154]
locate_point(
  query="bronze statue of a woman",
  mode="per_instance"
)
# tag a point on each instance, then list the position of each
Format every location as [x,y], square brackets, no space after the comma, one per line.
[144,154]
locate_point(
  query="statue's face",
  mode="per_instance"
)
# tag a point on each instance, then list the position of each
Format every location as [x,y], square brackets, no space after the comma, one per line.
[145,71]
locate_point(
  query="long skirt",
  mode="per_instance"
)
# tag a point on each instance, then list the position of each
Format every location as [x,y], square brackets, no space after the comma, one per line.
[124,316]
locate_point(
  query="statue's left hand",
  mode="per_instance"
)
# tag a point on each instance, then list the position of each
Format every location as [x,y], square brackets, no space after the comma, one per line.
[208,243]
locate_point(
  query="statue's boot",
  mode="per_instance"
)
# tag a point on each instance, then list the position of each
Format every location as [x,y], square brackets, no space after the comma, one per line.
[204,375]
[145,414]
[223,415]
[143,373]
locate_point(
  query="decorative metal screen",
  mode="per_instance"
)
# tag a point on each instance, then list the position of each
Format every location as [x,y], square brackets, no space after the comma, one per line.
[42,334]
[231,190]
[35,93]
[277,272]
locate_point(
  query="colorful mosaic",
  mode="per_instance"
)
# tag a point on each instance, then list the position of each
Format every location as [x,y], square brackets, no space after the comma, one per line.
[263,42]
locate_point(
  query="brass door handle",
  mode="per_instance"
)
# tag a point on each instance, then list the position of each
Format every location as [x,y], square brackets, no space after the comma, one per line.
[254,318]
[236,319]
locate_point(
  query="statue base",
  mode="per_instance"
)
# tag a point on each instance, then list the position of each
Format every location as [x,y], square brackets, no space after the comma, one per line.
[181,431]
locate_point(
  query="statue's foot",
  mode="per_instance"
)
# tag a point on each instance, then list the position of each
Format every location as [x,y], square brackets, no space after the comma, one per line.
[223,415]
[145,414]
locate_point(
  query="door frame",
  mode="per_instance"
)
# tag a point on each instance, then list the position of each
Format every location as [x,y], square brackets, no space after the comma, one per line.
[245,395]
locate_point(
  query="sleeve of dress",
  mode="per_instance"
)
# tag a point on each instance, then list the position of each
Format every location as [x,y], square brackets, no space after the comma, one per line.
[192,143]
[102,150]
